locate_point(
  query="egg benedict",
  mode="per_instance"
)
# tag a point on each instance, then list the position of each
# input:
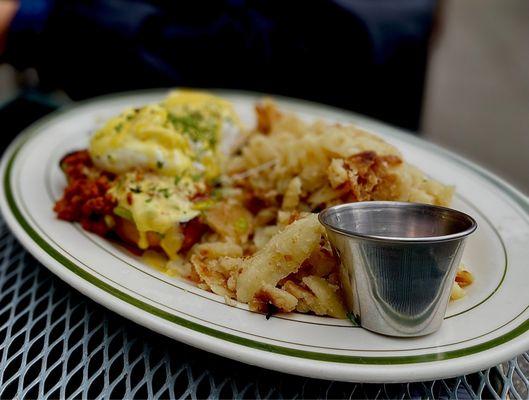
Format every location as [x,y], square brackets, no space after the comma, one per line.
[159,164]
[178,136]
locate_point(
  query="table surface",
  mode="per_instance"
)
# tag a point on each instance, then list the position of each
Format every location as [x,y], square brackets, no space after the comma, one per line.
[56,343]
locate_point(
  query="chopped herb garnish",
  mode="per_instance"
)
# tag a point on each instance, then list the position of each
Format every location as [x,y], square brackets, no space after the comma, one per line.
[216,193]
[196,126]
[241,225]
[159,164]
[196,177]
[136,189]
[165,192]
[119,127]
[203,205]
[148,200]
[177,180]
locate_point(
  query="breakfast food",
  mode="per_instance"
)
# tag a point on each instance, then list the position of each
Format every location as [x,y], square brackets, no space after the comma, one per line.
[241,224]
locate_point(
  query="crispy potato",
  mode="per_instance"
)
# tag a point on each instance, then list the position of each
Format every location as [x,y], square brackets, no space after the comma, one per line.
[218,249]
[326,196]
[457,292]
[291,198]
[267,114]
[464,277]
[230,220]
[317,295]
[179,267]
[269,294]
[328,295]
[265,216]
[324,157]
[322,262]
[208,271]
[304,296]
[337,173]
[263,235]
[282,255]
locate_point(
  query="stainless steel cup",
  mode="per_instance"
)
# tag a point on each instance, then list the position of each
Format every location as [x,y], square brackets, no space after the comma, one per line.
[398,262]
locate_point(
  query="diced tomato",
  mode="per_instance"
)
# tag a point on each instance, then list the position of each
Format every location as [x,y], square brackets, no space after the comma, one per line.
[85,198]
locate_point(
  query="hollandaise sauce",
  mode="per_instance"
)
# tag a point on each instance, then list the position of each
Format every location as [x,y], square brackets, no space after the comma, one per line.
[179,136]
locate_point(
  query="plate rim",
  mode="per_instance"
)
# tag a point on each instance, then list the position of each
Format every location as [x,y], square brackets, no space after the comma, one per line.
[62,266]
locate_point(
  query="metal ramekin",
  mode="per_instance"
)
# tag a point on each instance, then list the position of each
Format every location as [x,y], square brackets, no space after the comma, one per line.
[398,262]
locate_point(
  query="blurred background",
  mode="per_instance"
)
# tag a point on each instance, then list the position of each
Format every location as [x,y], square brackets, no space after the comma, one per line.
[455,72]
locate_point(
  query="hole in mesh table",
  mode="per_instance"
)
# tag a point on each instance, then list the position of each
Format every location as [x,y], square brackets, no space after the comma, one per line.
[31,388]
[95,363]
[141,392]
[7,298]
[95,385]
[10,390]
[74,381]
[182,384]
[119,390]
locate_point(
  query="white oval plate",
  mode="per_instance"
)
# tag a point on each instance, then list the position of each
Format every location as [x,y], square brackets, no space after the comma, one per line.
[488,326]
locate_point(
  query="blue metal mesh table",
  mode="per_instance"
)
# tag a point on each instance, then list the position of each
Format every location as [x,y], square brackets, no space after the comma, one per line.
[56,343]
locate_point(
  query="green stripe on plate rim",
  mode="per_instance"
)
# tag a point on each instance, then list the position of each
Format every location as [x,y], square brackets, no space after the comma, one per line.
[336,358]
